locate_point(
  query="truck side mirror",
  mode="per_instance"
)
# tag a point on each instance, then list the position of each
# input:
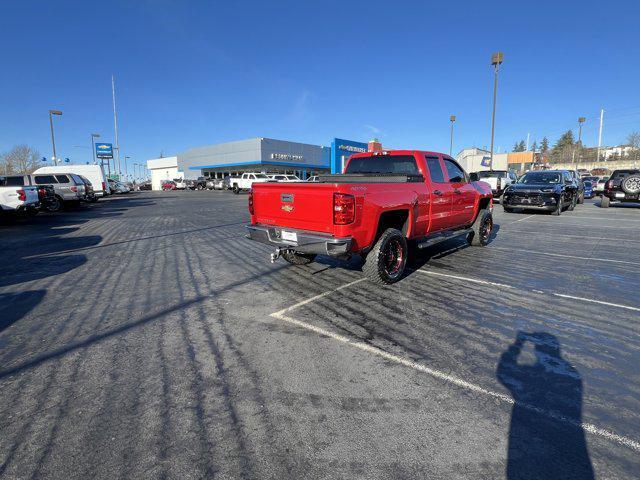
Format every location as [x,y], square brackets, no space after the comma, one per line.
[473,177]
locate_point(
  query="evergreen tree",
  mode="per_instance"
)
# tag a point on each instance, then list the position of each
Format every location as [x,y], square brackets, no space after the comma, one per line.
[534,146]
[544,145]
[522,146]
[565,140]
[515,147]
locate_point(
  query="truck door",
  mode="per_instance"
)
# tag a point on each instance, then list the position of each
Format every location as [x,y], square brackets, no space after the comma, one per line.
[441,196]
[463,203]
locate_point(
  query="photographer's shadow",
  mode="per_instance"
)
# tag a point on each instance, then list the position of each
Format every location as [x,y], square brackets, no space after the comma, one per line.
[546,440]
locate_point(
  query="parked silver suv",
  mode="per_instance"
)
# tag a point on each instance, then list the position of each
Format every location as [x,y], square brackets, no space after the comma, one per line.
[69,187]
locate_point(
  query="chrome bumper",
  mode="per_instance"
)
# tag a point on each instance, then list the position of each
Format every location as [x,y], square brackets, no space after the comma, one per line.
[307,242]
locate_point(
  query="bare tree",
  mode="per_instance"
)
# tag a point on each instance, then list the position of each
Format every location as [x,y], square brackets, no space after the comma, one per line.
[633,139]
[20,159]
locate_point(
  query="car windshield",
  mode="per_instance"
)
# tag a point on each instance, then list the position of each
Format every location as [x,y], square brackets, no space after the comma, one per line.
[540,177]
[490,174]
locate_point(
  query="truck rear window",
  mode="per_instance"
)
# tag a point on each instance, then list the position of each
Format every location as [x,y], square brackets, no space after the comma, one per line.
[13,182]
[401,164]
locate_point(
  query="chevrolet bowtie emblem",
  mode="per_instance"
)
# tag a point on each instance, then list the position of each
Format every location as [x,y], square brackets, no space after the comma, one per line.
[287,208]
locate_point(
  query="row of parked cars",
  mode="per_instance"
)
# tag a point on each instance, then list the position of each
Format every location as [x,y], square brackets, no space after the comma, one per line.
[621,186]
[237,183]
[51,188]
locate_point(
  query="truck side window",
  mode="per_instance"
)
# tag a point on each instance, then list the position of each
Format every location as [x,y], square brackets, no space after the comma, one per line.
[45,179]
[456,174]
[435,170]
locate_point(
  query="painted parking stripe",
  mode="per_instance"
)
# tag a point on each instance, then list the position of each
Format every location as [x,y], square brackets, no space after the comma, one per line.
[581,237]
[599,259]
[466,279]
[635,309]
[459,382]
[502,285]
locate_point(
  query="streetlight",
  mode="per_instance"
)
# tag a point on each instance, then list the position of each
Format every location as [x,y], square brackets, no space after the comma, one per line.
[53,139]
[581,120]
[93,146]
[452,119]
[496,61]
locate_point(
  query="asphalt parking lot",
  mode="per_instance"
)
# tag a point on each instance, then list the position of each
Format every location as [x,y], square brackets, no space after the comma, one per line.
[145,337]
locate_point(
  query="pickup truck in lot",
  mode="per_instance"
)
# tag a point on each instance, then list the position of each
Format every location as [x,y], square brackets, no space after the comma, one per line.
[383,202]
[17,198]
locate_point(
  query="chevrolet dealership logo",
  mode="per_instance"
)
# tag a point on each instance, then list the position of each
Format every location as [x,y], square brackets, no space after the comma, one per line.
[103,147]
[287,208]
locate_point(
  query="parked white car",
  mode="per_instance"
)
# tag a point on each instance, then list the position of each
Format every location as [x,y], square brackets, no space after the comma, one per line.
[313,178]
[181,183]
[284,178]
[244,181]
[18,199]
[498,180]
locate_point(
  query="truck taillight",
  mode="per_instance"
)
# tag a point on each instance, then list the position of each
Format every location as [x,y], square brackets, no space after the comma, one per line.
[73,189]
[22,195]
[41,193]
[104,187]
[344,208]
[609,184]
[251,202]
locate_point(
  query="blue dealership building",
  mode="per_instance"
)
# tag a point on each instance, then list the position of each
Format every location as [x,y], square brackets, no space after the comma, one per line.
[266,155]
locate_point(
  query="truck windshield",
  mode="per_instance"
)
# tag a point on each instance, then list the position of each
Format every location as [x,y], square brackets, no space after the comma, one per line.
[540,177]
[400,164]
[261,175]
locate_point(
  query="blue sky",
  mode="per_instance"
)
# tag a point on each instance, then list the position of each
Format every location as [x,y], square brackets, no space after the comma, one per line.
[192,73]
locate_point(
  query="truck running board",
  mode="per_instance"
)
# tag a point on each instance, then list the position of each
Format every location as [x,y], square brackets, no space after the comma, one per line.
[443,236]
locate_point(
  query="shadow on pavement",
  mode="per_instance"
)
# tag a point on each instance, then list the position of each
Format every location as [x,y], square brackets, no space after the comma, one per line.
[541,446]
[17,305]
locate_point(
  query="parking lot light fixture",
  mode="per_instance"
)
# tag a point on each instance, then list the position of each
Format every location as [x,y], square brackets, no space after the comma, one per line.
[53,138]
[496,61]
[452,119]
[581,120]
[93,146]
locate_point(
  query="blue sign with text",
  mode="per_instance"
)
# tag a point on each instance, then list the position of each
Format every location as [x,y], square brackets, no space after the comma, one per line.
[341,150]
[104,150]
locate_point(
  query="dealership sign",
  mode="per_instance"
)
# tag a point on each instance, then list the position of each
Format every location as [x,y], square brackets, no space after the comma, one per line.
[352,148]
[287,157]
[104,150]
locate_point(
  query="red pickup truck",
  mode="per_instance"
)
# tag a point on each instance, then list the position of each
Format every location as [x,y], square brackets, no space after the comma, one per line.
[382,201]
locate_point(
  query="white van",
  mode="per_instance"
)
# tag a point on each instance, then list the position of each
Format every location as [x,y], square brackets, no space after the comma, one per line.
[94,173]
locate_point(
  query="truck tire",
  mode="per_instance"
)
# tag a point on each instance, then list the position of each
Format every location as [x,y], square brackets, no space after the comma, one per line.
[581,198]
[572,205]
[631,184]
[55,205]
[236,190]
[605,201]
[295,258]
[387,259]
[482,228]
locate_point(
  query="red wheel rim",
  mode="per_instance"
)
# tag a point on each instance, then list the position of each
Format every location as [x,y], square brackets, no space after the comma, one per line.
[393,258]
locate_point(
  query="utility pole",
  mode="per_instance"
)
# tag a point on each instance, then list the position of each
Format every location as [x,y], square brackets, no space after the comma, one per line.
[115,122]
[600,133]
[452,119]
[496,61]
[53,138]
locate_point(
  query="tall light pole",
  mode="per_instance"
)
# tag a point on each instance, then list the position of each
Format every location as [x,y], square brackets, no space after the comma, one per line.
[581,120]
[93,146]
[115,123]
[452,119]
[53,138]
[496,61]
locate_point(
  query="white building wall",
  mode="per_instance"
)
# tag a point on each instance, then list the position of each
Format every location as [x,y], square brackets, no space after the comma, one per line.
[165,168]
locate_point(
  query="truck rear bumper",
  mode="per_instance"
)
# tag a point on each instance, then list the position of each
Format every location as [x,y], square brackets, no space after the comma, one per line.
[305,242]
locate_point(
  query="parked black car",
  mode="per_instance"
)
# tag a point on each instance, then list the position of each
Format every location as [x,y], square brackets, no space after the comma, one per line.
[551,190]
[144,186]
[48,200]
[623,186]
[199,184]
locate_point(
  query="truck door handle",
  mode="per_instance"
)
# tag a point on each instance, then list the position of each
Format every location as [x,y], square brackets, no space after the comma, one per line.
[437,192]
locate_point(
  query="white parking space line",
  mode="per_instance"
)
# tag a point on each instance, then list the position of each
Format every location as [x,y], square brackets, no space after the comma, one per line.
[581,237]
[520,220]
[635,309]
[459,382]
[466,279]
[502,285]
[562,255]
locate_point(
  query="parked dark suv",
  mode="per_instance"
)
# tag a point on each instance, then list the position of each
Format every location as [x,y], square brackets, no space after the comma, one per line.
[623,186]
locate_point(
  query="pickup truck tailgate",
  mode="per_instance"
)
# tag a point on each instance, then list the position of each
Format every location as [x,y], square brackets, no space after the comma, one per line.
[304,206]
